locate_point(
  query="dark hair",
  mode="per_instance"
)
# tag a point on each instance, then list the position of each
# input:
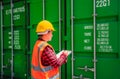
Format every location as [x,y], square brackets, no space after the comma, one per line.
[39,36]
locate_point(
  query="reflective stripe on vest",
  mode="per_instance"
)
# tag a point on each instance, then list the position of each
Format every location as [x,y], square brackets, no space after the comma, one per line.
[55,77]
[49,71]
[33,78]
[37,68]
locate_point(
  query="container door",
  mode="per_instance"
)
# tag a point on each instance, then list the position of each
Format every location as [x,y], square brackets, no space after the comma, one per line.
[15,47]
[94,38]
[107,39]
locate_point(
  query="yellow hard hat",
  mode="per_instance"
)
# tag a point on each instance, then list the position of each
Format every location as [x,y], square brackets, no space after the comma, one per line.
[43,27]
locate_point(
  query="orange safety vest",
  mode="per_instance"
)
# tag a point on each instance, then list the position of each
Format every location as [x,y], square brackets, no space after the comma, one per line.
[38,71]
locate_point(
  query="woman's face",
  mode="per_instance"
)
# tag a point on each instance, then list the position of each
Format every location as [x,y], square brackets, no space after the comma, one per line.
[48,36]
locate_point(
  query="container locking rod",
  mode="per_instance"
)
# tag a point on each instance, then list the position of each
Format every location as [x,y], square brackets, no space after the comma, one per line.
[80,77]
[4,66]
[86,69]
[1,12]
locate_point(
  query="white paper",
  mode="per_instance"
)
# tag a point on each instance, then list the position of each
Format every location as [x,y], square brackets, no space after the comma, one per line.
[69,52]
[58,55]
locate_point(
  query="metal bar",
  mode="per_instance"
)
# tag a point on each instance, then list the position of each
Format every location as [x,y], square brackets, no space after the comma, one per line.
[80,77]
[94,24]
[43,9]
[72,15]
[60,30]
[86,69]
[12,41]
[27,39]
[1,8]
[59,25]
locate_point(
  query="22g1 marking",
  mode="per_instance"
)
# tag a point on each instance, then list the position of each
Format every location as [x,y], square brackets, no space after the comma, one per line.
[102,3]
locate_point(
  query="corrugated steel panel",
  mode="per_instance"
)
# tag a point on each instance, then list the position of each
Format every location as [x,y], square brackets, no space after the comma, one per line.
[74,24]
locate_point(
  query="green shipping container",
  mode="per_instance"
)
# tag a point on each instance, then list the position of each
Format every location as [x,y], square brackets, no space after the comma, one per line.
[102,62]
[107,46]
[14,60]
[91,30]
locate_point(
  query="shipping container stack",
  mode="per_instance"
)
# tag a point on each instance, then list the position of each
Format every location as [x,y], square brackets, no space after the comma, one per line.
[89,28]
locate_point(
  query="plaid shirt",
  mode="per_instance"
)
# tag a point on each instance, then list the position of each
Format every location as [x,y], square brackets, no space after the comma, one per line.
[49,58]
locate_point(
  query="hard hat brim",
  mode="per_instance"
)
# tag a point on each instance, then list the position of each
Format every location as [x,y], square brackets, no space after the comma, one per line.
[42,33]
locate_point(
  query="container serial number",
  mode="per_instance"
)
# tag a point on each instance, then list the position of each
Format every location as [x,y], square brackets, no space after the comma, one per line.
[102,3]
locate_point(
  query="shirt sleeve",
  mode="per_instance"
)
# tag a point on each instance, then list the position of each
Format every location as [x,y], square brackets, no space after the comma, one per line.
[49,58]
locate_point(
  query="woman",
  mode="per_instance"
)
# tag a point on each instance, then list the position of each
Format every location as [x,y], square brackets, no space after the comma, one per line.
[45,64]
